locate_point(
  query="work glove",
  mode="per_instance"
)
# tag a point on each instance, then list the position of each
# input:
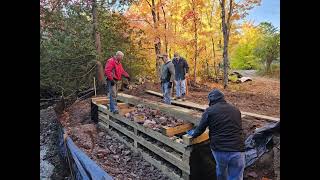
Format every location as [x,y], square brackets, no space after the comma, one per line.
[190,132]
[112,82]
[170,85]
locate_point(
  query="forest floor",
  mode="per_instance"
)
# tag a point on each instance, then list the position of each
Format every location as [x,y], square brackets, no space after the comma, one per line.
[260,96]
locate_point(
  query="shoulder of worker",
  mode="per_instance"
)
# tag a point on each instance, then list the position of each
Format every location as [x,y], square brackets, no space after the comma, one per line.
[111,60]
[171,65]
[209,110]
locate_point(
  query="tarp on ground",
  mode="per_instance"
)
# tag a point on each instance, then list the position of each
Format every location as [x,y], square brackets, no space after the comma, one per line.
[81,166]
[260,142]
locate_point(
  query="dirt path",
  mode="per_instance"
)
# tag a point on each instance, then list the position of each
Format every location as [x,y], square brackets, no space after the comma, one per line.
[261,96]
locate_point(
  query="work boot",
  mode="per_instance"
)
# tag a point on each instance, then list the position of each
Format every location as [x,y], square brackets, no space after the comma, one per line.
[176,98]
[183,97]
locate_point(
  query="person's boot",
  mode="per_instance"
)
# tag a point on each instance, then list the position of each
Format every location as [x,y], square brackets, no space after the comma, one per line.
[183,97]
[116,111]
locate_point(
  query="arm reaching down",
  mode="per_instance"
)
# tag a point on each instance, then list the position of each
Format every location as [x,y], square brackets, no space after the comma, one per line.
[202,125]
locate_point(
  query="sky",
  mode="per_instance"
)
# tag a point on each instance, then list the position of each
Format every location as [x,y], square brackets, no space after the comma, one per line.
[269,11]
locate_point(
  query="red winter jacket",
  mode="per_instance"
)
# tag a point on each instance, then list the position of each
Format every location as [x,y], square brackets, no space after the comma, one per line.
[114,69]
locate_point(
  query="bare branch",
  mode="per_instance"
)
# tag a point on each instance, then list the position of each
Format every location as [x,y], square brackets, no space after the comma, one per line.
[229,16]
[148,3]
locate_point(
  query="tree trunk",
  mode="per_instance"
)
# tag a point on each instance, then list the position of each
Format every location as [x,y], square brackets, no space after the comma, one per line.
[207,63]
[226,32]
[196,41]
[95,29]
[214,59]
[157,43]
[100,85]
[99,67]
[268,65]
[165,27]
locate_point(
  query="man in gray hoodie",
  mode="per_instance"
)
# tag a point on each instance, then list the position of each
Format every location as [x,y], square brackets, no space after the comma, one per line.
[167,78]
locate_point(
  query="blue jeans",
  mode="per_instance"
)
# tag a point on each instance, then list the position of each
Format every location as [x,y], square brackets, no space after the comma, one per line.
[166,92]
[180,87]
[112,96]
[229,165]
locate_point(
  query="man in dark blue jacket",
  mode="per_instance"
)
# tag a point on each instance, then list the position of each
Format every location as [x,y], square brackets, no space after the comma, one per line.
[181,72]
[226,136]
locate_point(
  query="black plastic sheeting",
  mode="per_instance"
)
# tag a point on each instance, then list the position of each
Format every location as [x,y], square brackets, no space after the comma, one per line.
[260,142]
[81,166]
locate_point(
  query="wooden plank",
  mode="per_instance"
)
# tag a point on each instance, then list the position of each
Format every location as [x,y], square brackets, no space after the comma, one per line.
[258,116]
[102,101]
[203,137]
[180,103]
[122,129]
[204,107]
[156,135]
[147,157]
[171,110]
[171,131]
[116,135]
[159,165]
[157,150]
[165,155]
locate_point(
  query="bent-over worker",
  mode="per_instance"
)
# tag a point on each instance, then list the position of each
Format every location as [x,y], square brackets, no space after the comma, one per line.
[226,136]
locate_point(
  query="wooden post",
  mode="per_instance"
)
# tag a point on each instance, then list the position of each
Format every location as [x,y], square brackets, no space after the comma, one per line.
[94,86]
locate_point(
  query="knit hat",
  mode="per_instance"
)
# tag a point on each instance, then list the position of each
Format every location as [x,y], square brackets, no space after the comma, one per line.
[215,95]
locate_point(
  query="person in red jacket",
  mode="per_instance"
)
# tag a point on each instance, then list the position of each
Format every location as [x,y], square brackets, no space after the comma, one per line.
[114,72]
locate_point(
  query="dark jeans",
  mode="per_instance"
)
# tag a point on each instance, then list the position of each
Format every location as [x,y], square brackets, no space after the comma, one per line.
[229,165]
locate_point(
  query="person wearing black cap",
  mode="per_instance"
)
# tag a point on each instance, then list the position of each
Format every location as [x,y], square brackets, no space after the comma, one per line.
[226,136]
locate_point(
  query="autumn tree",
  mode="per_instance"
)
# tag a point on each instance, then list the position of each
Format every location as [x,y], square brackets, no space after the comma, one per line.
[268,49]
[68,53]
[243,56]
[230,10]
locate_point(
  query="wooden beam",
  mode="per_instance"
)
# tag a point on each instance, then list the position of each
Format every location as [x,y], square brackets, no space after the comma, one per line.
[155,149]
[258,116]
[189,141]
[204,107]
[171,131]
[171,110]
[147,157]
[100,100]
[103,113]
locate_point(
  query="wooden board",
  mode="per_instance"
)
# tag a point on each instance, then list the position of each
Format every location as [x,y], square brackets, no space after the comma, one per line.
[147,157]
[204,107]
[125,110]
[152,147]
[178,112]
[203,137]
[100,100]
[171,131]
[103,113]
